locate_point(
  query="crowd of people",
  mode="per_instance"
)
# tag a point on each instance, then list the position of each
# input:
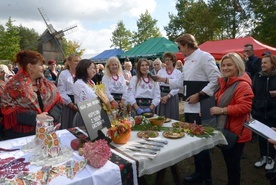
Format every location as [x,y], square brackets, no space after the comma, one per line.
[243,85]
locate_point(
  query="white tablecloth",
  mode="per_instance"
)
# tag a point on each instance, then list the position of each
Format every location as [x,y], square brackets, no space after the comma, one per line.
[108,174]
[175,151]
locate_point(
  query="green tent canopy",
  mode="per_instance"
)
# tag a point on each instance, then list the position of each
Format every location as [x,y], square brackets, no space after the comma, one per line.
[151,48]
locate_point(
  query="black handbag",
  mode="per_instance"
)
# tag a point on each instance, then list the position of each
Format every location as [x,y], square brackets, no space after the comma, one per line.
[231,138]
[221,120]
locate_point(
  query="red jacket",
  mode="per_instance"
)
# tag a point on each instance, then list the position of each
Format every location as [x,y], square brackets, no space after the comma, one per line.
[239,107]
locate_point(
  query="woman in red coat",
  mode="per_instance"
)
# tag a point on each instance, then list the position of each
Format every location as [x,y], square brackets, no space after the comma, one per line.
[236,111]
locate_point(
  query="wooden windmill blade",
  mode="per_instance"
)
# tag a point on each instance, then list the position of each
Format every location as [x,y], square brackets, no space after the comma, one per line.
[46,20]
[51,40]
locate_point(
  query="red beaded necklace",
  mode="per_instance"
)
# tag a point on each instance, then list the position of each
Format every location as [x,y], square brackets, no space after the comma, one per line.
[116,76]
[169,73]
[90,83]
[145,80]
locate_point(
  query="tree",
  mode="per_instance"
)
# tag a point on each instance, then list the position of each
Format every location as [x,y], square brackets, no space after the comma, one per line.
[121,37]
[263,21]
[29,38]
[146,29]
[71,47]
[216,20]
[232,18]
[192,17]
[9,42]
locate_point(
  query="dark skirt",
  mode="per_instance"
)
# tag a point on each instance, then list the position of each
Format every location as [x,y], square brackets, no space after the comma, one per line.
[170,109]
[67,118]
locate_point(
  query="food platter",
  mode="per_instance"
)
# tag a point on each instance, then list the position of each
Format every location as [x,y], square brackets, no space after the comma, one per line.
[167,120]
[147,134]
[180,124]
[148,114]
[172,134]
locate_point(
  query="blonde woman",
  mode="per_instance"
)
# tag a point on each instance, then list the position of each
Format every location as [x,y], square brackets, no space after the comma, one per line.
[179,65]
[157,64]
[233,105]
[114,81]
[127,71]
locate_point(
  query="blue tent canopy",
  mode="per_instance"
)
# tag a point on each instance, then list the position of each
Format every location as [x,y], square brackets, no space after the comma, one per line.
[106,54]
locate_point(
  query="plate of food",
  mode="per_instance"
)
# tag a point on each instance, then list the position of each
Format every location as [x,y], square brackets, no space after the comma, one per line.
[148,114]
[180,124]
[167,120]
[173,134]
[147,134]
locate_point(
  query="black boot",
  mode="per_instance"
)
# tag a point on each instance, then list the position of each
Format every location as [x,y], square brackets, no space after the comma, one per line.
[271,175]
[195,177]
[207,182]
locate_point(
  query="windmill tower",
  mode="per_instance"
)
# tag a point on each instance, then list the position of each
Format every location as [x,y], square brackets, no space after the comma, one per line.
[50,42]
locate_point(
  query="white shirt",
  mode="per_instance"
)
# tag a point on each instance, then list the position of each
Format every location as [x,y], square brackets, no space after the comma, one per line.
[143,90]
[174,75]
[199,66]
[65,83]
[82,91]
[113,86]
[127,75]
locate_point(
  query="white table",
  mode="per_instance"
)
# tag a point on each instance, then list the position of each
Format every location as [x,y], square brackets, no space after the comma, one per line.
[108,174]
[175,151]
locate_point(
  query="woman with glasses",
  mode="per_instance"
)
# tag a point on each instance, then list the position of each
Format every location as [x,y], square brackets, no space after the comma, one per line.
[169,103]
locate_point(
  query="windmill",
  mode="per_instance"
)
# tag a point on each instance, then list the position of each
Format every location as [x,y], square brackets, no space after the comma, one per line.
[50,42]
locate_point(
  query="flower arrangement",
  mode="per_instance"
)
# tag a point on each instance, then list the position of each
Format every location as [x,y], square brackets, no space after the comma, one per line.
[96,153]
[118,130]
[141,120]
[119,133]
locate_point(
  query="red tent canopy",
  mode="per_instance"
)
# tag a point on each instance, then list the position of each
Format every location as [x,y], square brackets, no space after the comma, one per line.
[221,47]
[179,56]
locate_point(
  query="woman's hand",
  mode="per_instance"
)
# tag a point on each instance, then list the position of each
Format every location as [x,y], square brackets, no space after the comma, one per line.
[216,111]
[159,78]
[114,104]
[43,115]
[272,93]
[73,107]
[165,99]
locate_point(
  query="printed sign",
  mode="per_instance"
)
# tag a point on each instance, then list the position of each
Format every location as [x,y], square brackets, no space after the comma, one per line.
[94,117]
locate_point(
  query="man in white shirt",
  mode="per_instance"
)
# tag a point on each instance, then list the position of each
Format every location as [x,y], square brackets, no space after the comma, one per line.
[198,66]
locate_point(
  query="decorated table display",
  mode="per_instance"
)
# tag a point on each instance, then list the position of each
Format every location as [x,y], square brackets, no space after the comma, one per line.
[15,168]
[46,148]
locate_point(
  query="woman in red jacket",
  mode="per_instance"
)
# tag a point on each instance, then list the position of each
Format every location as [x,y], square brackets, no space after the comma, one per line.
[234,85]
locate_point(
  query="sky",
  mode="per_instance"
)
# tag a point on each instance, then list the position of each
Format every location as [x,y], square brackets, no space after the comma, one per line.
[95,19]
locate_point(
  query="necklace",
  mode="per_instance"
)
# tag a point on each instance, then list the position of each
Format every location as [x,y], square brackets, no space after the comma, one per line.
[115,78]
[90,83]
[145,80]
[169,73]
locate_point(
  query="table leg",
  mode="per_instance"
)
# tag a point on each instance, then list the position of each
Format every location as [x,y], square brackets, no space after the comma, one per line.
[159,180]
[142,180]
[176,176]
